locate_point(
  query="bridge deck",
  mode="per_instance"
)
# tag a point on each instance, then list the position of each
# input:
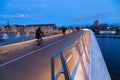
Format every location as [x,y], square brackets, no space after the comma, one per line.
[27,61]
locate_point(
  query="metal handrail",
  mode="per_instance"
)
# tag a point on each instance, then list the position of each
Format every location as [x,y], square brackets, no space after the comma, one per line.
[52,61]
[64,62]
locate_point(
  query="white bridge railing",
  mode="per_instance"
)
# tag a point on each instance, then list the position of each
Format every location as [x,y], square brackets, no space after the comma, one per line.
[75,60]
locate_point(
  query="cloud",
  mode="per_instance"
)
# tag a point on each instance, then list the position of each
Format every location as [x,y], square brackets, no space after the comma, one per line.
[95,16]
[44,5]
[15,16]
[11,5]
[103,14]
[22,7]
[27,7]
[21,16]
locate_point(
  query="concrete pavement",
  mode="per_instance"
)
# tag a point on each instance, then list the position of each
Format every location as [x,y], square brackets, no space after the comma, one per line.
[31,62]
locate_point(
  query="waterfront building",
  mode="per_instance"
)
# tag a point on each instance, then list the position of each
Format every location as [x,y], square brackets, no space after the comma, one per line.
[47,29]
[43,26]
[96,26]
[96,23]
[17,28]
[5,30]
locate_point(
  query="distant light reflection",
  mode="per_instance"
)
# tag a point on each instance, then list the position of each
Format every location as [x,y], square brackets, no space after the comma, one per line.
[18,35]
[5,36]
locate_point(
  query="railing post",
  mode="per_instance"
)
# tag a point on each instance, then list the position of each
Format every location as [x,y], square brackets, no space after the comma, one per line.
[84,47]
[52,69]
[88,42]
[82,63]
[65,69]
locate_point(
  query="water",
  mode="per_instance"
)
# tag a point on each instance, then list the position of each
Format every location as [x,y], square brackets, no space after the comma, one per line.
[110,48]
[11,38]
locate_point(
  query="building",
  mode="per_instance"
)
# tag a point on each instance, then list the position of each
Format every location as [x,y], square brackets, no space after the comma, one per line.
[17,28]
[96,23]
[5,30]
[46,28]
[96,26]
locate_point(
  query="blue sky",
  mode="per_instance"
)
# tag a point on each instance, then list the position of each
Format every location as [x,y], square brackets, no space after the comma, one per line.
[61,12]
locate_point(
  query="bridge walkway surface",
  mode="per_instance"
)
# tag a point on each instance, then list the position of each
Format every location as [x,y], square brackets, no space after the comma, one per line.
[28,61]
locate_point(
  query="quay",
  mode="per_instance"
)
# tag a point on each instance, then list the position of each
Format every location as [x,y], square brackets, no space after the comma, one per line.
[75,56]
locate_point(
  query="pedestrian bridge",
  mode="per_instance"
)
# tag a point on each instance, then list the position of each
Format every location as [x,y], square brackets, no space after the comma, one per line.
[75,56]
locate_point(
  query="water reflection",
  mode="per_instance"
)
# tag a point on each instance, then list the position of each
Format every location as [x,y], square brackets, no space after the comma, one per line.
[110,48]
[5,36]
[27,34]
[9,38]
[18,35]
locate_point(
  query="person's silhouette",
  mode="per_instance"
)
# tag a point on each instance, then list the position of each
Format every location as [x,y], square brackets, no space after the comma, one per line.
[39,35]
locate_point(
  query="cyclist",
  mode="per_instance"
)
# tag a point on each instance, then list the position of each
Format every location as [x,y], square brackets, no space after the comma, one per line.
[39,35]
[63,30]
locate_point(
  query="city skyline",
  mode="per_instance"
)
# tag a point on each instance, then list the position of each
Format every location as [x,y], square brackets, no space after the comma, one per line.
[63,12]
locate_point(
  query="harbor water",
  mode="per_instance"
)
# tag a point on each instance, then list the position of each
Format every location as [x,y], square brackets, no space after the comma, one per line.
[110,48]
[11,38]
